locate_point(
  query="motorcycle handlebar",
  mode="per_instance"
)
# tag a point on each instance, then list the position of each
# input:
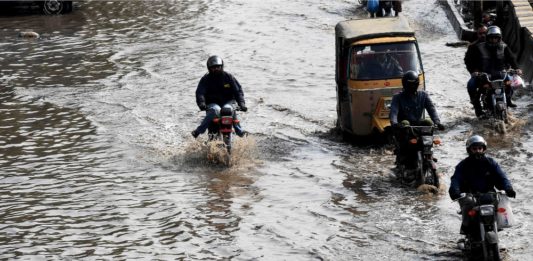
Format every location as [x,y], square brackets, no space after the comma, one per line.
[506,71]
[475,195]
[237,108]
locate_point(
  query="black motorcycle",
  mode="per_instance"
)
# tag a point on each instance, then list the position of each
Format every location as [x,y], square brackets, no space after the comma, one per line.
[494,98]
[480,226]
[416,164]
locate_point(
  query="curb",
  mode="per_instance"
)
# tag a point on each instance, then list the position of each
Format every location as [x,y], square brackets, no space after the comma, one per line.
[463,32]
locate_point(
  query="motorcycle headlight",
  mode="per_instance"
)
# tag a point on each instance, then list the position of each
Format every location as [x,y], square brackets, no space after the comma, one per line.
[427,140]
[498,91]
[486,210]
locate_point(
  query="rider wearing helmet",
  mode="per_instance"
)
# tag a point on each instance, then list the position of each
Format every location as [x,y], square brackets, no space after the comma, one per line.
[215,90]
[407,108]
[478,173]
[409,104]
[491,57]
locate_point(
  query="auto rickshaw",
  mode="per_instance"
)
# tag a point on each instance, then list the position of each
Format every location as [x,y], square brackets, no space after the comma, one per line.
[371,57]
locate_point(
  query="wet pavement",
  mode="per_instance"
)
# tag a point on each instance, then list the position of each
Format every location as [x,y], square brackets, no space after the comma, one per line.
[97,162]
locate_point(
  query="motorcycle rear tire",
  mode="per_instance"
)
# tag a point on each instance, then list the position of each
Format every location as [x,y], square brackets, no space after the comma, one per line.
[432,175]
[494,252]
[227,141]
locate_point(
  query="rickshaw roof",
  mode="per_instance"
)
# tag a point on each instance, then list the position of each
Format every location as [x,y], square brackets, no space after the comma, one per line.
[359,29]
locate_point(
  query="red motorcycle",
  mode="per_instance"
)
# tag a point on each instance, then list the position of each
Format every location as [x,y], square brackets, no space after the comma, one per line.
[221,128]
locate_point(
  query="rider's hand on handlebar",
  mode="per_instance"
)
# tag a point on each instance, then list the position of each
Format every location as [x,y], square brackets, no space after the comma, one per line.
[243,107]
[202,106]
[510,193]
[440,126]
[457,196]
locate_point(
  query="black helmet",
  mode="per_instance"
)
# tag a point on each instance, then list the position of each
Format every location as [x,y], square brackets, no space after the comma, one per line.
[494,32]
[410,81]
[475,140]
[214,60]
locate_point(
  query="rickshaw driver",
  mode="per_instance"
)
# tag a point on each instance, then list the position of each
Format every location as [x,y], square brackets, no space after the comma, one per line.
[383,66]
[407,107]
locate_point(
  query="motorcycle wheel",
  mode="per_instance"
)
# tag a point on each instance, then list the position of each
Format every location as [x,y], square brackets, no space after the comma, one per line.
[500,112]
[421,179]
[476,253]
[227,141]
[503,115]
[500,127]
[494,252]
[431,177]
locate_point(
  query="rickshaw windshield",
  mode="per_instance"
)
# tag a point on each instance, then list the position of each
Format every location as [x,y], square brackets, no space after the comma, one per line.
[383,61]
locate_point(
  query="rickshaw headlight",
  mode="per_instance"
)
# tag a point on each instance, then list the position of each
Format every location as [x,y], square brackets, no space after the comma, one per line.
[387,104]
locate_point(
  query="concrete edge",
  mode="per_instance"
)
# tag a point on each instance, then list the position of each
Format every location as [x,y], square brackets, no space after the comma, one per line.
[463,32]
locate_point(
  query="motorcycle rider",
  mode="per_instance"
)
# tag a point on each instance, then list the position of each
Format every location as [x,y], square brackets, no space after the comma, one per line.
[471,85]
[407,107]
[491,57]
[215,90]
[477,174]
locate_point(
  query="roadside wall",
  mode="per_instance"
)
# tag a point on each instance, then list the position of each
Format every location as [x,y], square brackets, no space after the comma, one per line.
[463,32]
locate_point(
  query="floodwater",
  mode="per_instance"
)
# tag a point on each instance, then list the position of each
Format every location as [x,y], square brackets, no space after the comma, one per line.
[97,162]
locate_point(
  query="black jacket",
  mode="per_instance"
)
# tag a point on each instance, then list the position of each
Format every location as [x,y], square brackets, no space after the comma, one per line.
[478,176]
[469,59]
[220,89]
[405,106]
[490,60]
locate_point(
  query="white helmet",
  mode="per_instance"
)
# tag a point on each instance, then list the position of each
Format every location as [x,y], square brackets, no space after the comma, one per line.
[494,32]
[475,140]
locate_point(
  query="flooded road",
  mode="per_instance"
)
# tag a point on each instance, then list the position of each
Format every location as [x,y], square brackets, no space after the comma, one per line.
[97,162]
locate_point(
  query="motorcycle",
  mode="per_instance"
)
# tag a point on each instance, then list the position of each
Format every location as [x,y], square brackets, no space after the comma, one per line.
[418,166]
[494,100]
[483,218]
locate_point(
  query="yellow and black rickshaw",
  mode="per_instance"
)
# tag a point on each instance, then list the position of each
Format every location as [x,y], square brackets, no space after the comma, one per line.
[371,57]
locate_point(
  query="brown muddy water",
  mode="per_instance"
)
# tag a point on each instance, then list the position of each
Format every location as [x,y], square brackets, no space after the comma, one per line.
[97,162]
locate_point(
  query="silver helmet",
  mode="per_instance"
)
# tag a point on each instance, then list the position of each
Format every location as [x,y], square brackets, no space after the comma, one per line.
[494,32]
[476,140]
[214,60]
